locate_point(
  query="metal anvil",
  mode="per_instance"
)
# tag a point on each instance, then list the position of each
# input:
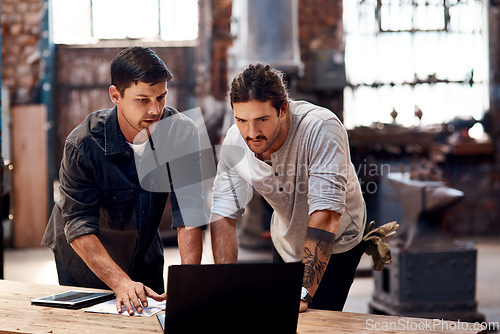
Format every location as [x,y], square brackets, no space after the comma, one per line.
[423,204]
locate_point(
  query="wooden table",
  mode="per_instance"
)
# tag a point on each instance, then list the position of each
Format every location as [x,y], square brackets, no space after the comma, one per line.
[17,315]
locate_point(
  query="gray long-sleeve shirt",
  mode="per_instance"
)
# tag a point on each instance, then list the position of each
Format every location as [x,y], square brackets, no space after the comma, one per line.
[311,171]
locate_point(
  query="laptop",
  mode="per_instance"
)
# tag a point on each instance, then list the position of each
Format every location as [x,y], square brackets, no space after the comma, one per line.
[233,298]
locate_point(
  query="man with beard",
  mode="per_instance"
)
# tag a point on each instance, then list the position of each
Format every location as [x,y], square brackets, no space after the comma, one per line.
[296,155]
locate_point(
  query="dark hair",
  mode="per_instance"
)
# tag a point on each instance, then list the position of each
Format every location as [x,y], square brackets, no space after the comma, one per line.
[137,64]
[259,82]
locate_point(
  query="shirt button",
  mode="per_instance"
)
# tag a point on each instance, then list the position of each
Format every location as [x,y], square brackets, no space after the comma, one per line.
[143,212]
[115,198]
[276,173]
[281,189]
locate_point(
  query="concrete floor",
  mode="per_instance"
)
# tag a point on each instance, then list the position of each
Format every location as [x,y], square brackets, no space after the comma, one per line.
[37,265]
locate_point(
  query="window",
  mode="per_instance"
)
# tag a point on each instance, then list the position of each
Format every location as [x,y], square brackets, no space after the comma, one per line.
[147,20]
[411,55]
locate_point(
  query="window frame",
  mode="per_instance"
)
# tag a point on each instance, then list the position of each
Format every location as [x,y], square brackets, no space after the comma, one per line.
[94,42]
[373,26]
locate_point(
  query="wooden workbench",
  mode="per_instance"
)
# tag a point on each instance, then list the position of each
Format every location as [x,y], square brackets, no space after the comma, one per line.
[17,315]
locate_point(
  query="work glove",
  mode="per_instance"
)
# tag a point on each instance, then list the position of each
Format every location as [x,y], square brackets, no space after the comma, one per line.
[376,243]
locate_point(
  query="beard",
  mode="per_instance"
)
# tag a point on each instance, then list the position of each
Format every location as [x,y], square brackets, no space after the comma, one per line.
[265,143]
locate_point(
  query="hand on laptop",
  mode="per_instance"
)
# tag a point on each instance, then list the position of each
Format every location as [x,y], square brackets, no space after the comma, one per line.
[303,306]
[134,295]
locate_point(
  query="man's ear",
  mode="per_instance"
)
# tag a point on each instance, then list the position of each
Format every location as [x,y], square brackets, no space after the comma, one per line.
[114,94]
[283,108]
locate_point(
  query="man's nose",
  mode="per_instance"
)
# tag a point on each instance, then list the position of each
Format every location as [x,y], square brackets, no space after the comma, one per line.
[253,130]
[155,108]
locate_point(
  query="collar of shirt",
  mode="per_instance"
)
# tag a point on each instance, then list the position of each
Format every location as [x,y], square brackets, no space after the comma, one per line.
[114,140]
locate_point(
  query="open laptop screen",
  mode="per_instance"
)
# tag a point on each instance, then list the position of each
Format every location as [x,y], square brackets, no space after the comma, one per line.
[233,298]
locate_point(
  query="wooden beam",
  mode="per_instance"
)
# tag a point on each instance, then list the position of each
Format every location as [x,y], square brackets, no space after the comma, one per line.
[30,174]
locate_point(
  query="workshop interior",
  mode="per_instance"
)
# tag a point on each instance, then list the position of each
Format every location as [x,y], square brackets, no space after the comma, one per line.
[416,83]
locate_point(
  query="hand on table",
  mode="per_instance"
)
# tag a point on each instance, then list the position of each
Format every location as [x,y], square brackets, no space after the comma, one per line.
[134,295]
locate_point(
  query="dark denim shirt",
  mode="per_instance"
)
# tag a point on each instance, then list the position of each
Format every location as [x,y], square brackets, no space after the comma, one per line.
[101,195]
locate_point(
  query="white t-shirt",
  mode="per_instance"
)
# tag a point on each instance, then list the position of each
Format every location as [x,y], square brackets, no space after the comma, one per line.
[138,148]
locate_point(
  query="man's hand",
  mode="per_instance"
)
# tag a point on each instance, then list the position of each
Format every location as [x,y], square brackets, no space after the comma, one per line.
[133,295]
[303,306]
[128,292]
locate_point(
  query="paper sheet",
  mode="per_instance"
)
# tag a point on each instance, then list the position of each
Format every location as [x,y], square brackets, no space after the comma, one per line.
[109,307]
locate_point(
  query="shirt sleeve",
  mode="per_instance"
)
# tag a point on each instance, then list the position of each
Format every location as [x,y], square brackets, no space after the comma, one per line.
[79,195]
[328,167]
[230,192]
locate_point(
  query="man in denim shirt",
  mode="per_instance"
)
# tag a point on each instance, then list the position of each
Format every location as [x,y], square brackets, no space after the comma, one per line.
[104,230]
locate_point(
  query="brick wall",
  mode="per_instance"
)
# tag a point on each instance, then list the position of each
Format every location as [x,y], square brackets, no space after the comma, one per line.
[482,180]
[477,213]
[83,79]
[211,64]
[20,26]
[320,27]
[221,34]
[494,59]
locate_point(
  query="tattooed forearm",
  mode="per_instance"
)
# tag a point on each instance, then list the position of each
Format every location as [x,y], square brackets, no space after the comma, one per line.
[314,267]
[317,251]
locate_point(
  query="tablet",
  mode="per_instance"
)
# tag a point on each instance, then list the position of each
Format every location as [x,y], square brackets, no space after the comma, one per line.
[74,299]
